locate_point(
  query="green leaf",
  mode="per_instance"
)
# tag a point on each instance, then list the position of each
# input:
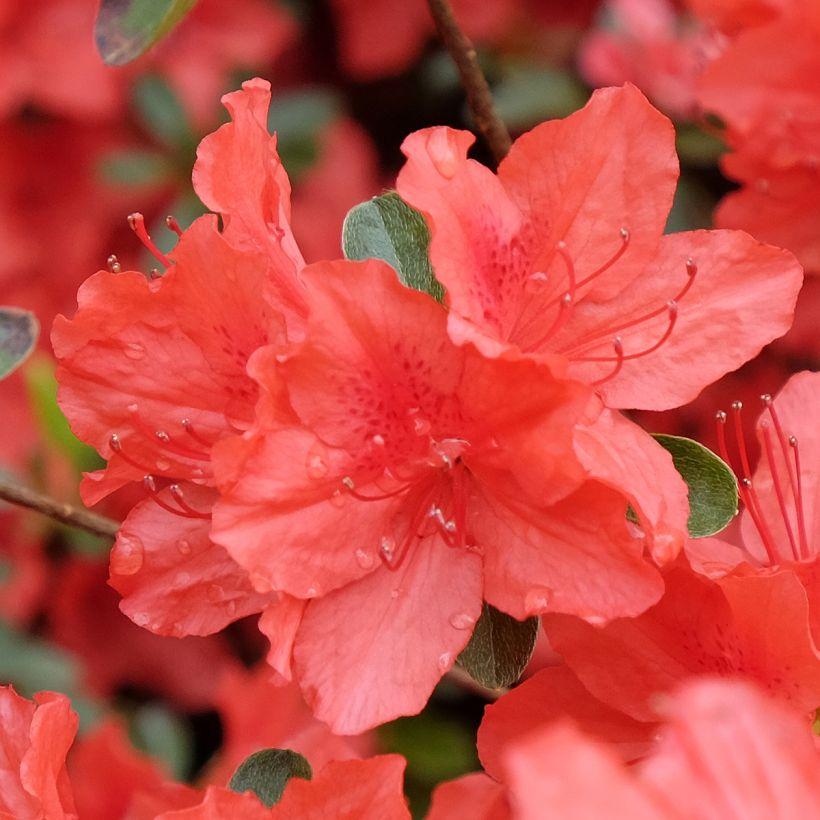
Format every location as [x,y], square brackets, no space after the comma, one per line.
[162,114]
[266,773]
[127,28]
[134,167]
[163,735]
[712,485]
[500,648]
[387,228]
[19,330]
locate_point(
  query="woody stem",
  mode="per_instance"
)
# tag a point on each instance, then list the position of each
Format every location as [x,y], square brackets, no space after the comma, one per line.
[65,513]
[472,78]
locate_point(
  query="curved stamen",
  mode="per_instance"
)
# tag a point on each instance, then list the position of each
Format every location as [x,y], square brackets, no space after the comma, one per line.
[150,484]
[188,427]
[619,362]
[625,236]
[778,489]
[173,225]
[136,222]
[672,308]
[801,519]
[578,345]
[350,488]
[116,446]
[179,497]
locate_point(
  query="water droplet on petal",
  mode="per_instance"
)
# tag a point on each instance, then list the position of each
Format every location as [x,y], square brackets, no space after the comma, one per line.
[536,282]
[184,547]
[364,559]
[594,620]
[140,618]
[338,499]
[445,661]
[421,426]
[462,620]
[378,440]
[163,465]
[133,408]
[312,592]
[127,556]
[134,350]
[315,464]
[538,599]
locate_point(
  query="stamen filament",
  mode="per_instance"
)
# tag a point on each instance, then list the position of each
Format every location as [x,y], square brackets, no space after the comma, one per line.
[136,222]
[778,490]
[624,233]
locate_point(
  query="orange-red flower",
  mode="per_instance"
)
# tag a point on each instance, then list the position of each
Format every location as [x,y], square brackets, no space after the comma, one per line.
[724,750]
[35,736]
[561,256]
[411,479]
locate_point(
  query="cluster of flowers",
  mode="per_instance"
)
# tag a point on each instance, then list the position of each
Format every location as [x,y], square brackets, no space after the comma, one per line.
[367,468]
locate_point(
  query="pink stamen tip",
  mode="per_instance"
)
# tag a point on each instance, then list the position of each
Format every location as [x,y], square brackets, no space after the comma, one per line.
[114,264]
[691,267]
[766,399]
[136,222]
[618,347]
[173,225]
[721,416]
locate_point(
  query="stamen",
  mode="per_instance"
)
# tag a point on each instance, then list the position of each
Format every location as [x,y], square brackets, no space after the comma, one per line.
[672,308]
[393,559]
[116,445]
[778,489]
[801,519]
[179,497]
[173,225]
[625,236]
[188,427]
[150,484]
[136,222]
[114,264]
[350,487]
[578,345]
[619,362]
[160,435]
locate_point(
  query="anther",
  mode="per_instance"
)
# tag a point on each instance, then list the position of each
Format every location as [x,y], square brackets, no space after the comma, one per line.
[349,483]
[173,225]
[179,497]
[136,222]
[188,427]
[114,264]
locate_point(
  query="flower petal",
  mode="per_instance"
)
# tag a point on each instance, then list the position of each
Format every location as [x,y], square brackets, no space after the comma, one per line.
[374,650]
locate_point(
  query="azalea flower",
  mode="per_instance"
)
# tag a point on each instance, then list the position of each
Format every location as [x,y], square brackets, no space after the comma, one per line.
[780,527]
[35,736]
[772,127]
[651,45]
[755,627]
[409,479]
[561,256]
[723,749]
[153,372]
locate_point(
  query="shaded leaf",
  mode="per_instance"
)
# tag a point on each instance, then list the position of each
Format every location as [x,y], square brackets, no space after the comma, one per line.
[127,28]
[387,228]
[161,112]
[19,330]
[712,485]
[266,773]
[163,735]
[499,649]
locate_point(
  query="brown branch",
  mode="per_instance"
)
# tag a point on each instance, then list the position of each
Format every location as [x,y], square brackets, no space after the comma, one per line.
[472,78]
[65,513]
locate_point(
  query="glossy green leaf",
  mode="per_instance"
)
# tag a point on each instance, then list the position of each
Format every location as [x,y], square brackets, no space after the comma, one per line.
[387,228]
[499,649]
[266,773]
[19,330]
[712,485]
[127,28]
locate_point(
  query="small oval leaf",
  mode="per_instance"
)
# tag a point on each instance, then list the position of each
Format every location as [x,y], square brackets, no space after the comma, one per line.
[712,485]
[267,772]
[127,28]
[387,228]
[19,330]
[499,649]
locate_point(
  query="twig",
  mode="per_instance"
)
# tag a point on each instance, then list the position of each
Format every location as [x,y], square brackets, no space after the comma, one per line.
[472,78]
[459,677]
[66,513]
